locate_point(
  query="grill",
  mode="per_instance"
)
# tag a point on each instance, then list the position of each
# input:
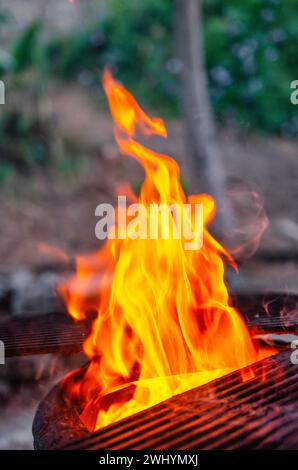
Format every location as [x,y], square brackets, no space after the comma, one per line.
[224,414]
[56,332]
[260,413]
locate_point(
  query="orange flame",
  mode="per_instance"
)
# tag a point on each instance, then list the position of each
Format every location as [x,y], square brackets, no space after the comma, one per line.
[164,323]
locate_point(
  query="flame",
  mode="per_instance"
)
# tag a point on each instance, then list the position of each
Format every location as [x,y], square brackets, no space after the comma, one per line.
[164,322]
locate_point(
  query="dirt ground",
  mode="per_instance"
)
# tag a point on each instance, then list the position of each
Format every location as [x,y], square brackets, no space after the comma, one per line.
[31,378]
[57,208]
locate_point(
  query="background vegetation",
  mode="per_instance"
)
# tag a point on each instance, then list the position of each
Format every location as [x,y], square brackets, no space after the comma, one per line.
[251,55]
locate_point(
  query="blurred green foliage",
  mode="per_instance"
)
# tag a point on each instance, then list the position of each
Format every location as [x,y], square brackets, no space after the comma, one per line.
[250,46]
[24,49]
[134,38]
[251,49]
[23,138]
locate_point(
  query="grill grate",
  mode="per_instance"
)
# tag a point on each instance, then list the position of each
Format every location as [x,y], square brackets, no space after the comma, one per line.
[56,332]
[43,334]
[227,413]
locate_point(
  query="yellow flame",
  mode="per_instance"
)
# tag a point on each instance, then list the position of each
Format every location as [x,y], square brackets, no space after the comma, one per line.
[164,321]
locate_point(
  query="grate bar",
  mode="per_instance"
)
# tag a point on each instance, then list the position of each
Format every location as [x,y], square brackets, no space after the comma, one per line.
[225,413]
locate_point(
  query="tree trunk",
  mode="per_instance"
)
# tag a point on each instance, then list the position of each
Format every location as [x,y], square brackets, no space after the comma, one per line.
[207,172]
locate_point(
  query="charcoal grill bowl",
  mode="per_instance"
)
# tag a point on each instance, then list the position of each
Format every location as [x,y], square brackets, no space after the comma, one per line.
[57,423]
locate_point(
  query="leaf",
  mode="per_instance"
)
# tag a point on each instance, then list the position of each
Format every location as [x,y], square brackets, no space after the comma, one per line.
[25,47]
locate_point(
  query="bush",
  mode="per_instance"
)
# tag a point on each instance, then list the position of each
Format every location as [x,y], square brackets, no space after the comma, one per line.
[24,140]
[251,59]
[134,39]
[250,54]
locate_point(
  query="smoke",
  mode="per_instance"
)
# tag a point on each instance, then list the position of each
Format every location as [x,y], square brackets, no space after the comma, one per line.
[250,220]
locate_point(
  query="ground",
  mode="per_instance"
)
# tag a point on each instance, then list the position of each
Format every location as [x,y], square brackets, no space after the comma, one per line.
[57,207]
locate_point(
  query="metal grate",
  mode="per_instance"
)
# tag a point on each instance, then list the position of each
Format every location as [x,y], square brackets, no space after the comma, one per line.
[42,334]
[227,413]
[56,332]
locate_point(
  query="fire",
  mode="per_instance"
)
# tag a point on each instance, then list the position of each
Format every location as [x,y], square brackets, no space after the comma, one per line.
[164,322]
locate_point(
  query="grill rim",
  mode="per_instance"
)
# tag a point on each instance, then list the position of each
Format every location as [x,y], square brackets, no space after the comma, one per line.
[70,434]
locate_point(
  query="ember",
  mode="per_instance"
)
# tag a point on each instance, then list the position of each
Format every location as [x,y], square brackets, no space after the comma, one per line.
[164,320]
